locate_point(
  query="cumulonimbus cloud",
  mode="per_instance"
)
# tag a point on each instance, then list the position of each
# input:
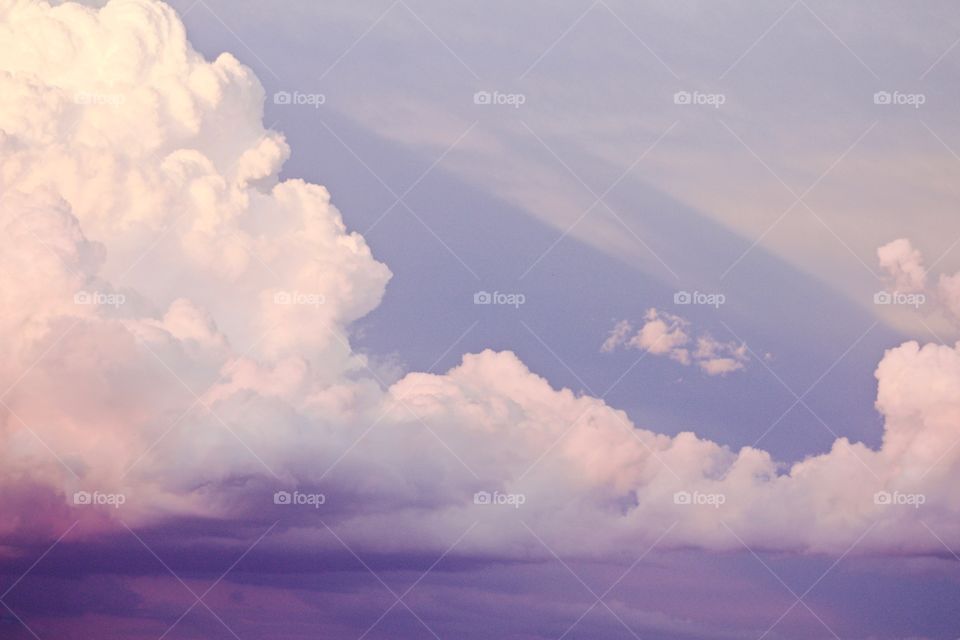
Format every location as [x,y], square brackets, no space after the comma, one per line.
[175,330]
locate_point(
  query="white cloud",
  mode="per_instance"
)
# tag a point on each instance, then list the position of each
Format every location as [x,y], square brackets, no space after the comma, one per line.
[718,358]
[617,336]
[662,334]
[665,334]
[904,265]
[164,165]
[948,288]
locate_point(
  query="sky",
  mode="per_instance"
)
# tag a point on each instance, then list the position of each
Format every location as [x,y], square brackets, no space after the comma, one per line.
[413,319]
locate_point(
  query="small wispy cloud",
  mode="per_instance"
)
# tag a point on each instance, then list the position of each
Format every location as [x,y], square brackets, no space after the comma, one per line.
[666,334]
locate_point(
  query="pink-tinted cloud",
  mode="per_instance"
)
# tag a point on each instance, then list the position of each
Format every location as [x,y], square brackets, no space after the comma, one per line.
[904,264]
[182,346]
[665,334]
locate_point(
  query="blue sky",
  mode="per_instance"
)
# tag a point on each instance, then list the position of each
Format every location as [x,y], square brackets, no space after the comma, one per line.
[598,99]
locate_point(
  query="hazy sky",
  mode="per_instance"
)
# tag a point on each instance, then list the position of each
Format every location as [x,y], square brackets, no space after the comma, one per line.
[608,319]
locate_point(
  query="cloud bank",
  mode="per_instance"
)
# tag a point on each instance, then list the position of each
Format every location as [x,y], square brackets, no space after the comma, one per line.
[176,331]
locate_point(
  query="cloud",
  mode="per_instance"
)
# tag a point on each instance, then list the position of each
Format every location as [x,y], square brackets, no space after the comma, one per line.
[662,334]
[718,358]
[904,265]
[617,336]
[948,288]
[139,187]
[665,334]
[207,363]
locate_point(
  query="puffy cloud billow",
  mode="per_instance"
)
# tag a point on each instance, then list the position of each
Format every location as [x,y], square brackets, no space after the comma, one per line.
[904,267]
[175,329]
